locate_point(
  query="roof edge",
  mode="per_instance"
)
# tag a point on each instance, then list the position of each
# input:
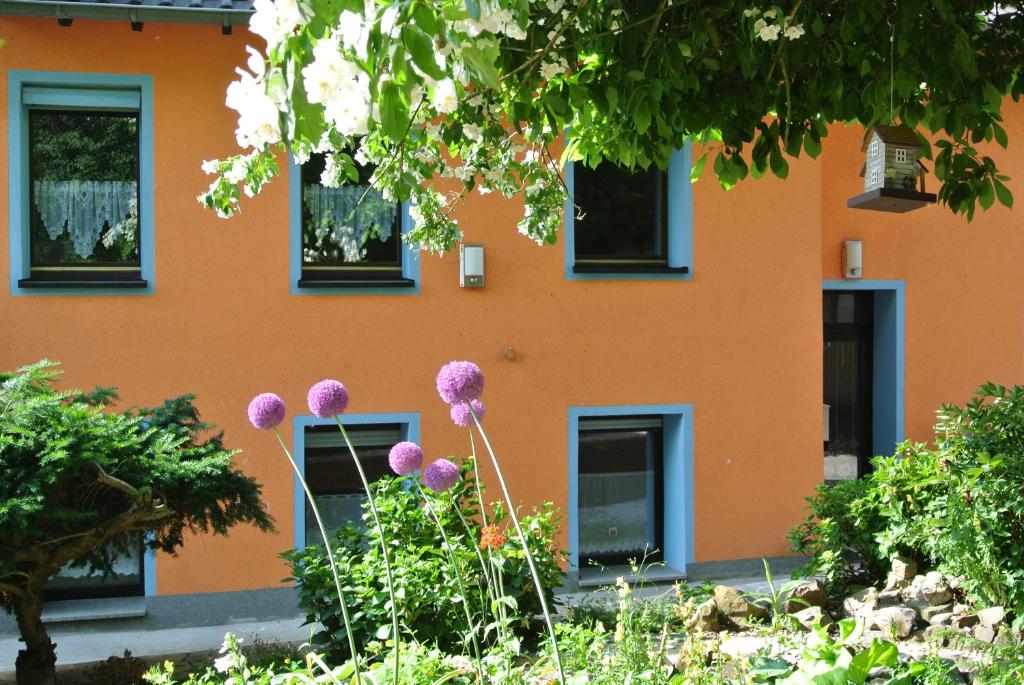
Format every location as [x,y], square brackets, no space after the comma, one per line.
[143,13]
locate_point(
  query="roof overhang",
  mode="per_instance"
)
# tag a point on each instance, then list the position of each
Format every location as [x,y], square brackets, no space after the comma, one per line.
[226,16]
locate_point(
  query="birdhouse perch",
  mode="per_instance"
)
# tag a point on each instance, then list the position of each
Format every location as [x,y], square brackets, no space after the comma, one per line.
[894,178]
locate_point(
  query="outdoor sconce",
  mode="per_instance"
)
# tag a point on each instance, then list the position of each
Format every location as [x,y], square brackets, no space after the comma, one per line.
[471,266]
[853,266]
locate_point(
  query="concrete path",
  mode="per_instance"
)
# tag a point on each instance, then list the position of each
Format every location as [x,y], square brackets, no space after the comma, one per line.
[77,647]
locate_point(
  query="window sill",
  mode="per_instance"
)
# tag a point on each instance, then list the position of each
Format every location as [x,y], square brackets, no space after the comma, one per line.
[657,572]
[628,269]
[357,283]
[78,285]
[78,610]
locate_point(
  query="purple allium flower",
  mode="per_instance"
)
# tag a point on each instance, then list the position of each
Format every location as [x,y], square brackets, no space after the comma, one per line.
[441,475]
[405,458]
[461,415]
[266,411]
[460,382]
[327,398]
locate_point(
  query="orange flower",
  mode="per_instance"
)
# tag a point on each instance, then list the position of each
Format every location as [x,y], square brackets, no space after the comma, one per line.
[491,537]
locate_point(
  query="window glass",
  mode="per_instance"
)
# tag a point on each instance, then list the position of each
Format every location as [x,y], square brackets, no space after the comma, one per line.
[620,489]
[624,214]
[350,227]
[332,475]
[124,580]
[83,185]
[848,378]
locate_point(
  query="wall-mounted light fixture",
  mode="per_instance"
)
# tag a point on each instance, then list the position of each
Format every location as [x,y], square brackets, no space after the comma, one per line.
[471,266]
[853,265]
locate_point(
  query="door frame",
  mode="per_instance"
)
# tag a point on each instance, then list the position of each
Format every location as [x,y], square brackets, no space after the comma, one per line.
[888,359]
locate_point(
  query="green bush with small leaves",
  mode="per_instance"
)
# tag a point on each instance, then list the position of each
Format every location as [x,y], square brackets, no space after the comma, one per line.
[426,586]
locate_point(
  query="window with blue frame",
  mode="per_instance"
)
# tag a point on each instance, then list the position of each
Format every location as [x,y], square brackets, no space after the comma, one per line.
[621,489]
[351,235]
[332,476]
[629,223]
[80,184]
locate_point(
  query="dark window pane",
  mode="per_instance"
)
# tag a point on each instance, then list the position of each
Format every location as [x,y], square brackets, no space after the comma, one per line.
[332,475]
[348,226]
[620,493]
[84,172]
[624,214]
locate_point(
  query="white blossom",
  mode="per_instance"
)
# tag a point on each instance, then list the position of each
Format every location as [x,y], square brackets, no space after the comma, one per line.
[794,32]
[769,33]
[445,99]
[354,32]
[275,20]
[210,166]
[473,132]
[259,120]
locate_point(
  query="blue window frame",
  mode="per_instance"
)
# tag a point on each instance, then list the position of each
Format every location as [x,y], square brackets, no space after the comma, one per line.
[35,94]
[675,471]
[667,255]
[348,279]
[408,425]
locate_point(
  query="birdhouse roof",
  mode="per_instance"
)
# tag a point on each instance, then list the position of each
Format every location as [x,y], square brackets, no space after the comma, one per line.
[893,135]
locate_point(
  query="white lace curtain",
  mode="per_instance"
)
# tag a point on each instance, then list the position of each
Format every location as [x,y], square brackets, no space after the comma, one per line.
[616,512]
[348,214]
[84,207]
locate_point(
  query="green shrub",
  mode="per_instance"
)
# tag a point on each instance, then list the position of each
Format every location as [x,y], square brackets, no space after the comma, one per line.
[962,502]
[425,582]
[839,534]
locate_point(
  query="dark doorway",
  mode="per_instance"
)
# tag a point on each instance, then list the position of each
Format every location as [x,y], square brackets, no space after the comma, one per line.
[848,361]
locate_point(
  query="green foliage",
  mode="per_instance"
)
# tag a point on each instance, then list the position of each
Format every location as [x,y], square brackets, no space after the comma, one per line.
[83,484]
[838,536]
[426,586]
[962,502]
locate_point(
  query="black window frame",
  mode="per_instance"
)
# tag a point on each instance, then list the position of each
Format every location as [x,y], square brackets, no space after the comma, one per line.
[608,264]
[592,425]
[341,274]
[93,275]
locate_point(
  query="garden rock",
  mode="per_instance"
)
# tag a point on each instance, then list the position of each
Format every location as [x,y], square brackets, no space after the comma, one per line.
[935,589]
[984,633]
[705,618]
[889,598]
[810,617]
[900,620]
[733,606]
[807,593]
[966,621]
[861,604]
[901,572]
[928,612]
[992,617]
[940,620]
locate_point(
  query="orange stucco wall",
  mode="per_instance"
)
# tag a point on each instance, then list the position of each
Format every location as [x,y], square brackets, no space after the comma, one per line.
[741,341]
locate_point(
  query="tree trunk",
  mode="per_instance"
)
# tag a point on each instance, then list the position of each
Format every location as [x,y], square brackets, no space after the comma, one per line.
[36,664]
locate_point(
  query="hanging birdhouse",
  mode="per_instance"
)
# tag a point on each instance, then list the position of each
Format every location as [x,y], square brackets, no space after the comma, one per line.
[894,178]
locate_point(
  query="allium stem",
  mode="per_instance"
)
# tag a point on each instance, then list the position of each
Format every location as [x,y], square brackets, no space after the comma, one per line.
[526,548]
[330,556]
[458,578]
[383,541]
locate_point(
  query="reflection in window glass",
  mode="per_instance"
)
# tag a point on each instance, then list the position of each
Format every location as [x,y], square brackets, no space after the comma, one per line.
[620,489]
[333,478]
[79,582]
[350,226]
[84,172]
[625,214]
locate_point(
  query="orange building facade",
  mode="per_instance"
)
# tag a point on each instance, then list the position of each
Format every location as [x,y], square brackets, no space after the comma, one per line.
[730,356]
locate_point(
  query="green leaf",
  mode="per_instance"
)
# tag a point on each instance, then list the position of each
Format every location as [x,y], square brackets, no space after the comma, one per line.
[425,19]
[698,167]
[642,117]
[421,48]
[482,64]
[473,9]
[986,194]
[1003,193]
[778,163]
[812,144]
[394,110]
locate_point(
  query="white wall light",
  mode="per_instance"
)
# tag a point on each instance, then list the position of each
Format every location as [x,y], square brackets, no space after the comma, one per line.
[471,266]
[853,266]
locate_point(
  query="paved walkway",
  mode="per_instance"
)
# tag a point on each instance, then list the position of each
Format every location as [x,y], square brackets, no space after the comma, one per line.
[77,647]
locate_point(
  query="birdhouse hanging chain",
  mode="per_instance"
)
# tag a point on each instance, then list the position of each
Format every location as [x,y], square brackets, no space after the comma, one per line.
[892,65]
